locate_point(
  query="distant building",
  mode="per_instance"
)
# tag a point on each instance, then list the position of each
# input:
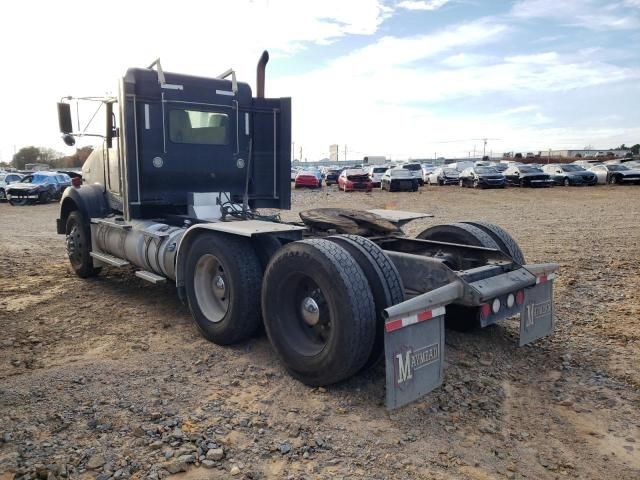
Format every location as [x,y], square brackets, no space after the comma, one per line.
[374,160]
[36,167]
[334,153]
[584,153]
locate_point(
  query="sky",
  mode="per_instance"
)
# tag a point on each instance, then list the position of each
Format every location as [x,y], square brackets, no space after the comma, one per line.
[400,78]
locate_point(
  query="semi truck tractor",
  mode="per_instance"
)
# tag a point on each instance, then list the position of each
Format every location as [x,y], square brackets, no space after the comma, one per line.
[183,189]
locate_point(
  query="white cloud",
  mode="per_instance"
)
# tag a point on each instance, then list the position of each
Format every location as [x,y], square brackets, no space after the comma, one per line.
[75,50]
[579,13]
[465,60]
[422,4]
[546,58]
[518,110]
[379,95]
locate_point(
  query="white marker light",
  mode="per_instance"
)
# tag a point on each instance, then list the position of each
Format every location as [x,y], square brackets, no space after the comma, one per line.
[511,299]
[495,306]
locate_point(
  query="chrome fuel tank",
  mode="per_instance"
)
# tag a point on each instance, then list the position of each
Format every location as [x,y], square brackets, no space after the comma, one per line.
[147,244]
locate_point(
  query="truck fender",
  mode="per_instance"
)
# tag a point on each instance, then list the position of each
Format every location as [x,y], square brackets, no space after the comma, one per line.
[90,200]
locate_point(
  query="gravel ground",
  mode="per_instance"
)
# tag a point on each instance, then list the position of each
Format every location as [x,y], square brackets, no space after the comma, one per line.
[108,378]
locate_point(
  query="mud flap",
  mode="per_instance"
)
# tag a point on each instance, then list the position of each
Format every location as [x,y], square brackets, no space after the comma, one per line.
[414,354]
[536,317]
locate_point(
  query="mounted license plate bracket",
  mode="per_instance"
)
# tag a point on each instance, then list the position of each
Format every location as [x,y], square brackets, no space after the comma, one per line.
[536,317]
[414,355]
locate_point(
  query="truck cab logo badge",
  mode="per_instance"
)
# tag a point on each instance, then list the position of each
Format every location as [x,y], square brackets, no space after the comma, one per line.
[409,361]
[240,163]
[158,162]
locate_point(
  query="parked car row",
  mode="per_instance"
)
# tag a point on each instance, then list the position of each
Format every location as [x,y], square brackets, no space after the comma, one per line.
[410,176]
[37,187]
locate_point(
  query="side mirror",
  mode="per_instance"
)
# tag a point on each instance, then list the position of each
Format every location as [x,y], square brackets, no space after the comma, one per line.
[64,117]
[68,139]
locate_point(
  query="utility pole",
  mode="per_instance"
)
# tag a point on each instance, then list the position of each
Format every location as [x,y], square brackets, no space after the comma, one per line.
[293,151]
[301,153]
[484,147]
[345,152]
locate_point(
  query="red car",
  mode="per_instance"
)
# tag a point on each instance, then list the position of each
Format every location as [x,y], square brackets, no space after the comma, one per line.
[355,180]
[308,179]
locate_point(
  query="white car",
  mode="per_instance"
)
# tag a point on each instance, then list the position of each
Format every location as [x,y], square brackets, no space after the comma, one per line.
[443,176]
[416,171]
[615,174]
[294,172]
[427,169]
[7,179]
[375,174]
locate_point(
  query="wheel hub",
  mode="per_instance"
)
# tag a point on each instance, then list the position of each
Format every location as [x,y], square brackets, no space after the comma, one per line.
[219,287]
[211,289]
[310,311]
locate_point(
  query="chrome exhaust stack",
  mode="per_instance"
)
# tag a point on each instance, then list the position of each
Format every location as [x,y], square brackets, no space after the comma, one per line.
[262,65]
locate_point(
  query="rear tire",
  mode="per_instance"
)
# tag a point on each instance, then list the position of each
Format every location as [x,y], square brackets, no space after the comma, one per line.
[3,195]
[384,280]
[461,233]
[223,279]
[566,182]
[458,317]
[78,244]
[505,241]
[319,312]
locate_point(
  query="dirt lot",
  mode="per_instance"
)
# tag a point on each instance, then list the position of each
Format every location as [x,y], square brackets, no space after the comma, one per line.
[107,378]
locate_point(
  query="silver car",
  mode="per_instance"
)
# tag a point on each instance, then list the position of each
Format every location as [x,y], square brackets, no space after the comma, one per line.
[5,180]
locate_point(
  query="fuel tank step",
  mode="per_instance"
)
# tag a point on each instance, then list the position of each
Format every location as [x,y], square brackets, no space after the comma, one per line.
[150,277]
[109,259]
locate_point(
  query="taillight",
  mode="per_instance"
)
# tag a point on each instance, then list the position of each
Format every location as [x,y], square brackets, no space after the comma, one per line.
[520,297]
[495,305]
[511,299]
[76,181]
[485,310]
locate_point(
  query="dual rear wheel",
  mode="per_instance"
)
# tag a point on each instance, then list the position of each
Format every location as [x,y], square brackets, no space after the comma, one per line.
[321,300]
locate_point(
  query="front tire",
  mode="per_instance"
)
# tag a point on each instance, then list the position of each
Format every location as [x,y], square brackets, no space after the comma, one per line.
[3,195]
[223,281]
[319,312]
[566,182]
[78,244]
[20,202]
[44,197]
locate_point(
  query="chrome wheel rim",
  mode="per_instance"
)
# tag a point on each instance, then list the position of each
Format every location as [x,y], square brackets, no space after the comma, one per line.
[211,288]
[73,246]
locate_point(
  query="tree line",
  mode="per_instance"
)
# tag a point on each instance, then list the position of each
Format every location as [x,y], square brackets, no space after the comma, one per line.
[48,156]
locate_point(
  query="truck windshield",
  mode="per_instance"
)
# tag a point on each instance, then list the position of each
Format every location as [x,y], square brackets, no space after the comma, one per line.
[198,127]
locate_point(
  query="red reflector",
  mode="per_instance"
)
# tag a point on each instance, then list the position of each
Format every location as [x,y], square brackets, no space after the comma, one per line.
[520,297]
[76,181]
[485,310]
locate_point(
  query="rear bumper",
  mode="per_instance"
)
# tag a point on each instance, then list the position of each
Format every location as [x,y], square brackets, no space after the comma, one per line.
[539,183]
[449,181]
[414,333]
[307,184]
